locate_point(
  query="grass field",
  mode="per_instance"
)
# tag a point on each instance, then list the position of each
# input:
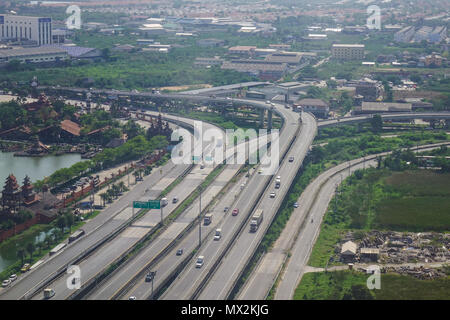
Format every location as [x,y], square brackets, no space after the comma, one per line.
[338,285]
[423,203]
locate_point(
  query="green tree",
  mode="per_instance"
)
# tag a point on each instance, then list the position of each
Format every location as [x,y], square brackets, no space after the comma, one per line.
[69,221]
[30,249]
[61,223]
[376,123]
[21,254]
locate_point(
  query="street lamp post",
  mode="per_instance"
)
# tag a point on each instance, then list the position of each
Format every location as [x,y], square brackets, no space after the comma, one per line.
[200,219]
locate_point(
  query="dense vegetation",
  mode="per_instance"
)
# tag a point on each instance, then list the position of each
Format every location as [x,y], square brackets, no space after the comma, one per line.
[347,285]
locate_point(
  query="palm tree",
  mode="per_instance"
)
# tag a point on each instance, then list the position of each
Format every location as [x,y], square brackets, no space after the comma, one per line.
[104,197]
[40,245]
[30,250]
[110,194]
[122,186]
[69,221]
[48,241]
[21,254]
[115,189]
[136,175]
[61,223]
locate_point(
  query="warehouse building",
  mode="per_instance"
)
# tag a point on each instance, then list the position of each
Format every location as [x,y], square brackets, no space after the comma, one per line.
[265,70]
[380,107]
[33,55]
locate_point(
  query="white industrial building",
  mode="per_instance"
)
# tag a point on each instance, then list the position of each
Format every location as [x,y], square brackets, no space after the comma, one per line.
[36,29]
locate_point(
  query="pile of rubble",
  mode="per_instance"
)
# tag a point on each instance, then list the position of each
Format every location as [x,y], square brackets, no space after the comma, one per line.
[422,273]
[389,247]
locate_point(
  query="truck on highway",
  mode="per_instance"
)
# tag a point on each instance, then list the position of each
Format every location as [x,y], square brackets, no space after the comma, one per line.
[207,219]
[58,248]
[76,235]
[256,220]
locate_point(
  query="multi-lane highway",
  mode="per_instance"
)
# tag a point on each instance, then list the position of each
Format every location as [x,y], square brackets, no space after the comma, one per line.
[221,283]
[191,279]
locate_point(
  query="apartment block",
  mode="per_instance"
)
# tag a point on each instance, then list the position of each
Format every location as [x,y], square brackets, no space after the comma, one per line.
[348,51]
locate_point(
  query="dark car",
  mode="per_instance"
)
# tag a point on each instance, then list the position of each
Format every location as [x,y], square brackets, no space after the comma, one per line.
[179,252]
[148,278]
[225,209]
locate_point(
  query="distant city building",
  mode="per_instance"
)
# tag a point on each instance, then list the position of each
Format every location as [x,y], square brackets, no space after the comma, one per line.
[210,43]
[265,70]
[424,33]
[280,46]
[77,52]
[242,50]
[370,90]
[405,35]
[317,107]
[264,52]
[433,60]
[380,107]
[315,36]
[291,58]
[36,29]
[348,51]
[208,62]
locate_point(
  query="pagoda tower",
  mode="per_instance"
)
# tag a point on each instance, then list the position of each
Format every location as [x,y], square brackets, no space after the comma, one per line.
[28,195]
[11,195]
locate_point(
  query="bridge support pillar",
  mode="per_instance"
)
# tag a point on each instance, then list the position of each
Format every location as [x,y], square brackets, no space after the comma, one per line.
[269,120]
[261,117]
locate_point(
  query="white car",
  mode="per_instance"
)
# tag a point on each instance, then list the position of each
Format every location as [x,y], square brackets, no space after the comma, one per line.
[13,277]
[200,261]
[272,194]
[6,283]
[218,234]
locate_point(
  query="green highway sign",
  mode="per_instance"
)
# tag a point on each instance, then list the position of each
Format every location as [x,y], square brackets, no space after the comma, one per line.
[140,205]
[152,204]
